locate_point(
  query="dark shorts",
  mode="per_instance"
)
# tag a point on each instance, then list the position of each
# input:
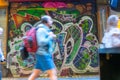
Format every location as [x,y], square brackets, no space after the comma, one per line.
[44,62]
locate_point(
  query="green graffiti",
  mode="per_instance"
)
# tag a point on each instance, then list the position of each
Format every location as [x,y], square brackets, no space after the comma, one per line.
[82,66]
[20,61]
[17,47]
[85,26]
[58,64]
[63,15]
[17,31]
[86,55]
[17,44]
[13,27]
[93,49]
[72,12]
[74,51]
[94,61]
[18,41]
[84,60]
[36,13]
[75,33]
[90,38]
[57,27]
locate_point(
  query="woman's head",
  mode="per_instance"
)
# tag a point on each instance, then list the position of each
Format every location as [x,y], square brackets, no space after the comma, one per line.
[112,20]
[47,20]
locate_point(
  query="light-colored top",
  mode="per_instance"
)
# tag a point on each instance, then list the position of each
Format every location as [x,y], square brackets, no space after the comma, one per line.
[2,58]
[44,40]
[111,38]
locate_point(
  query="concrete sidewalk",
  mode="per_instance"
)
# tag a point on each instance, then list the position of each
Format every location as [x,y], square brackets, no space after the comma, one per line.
[69,78]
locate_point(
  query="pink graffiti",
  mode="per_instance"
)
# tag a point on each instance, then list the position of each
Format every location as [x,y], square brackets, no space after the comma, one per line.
[54,5]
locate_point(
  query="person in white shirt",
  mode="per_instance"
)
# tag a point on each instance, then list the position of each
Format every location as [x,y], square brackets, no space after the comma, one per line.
[111,36]
[2,58]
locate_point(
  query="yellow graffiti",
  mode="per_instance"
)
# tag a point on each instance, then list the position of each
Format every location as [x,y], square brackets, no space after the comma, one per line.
[118,25]
[49,9]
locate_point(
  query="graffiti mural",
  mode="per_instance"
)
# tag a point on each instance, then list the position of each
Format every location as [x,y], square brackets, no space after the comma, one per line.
[75,26]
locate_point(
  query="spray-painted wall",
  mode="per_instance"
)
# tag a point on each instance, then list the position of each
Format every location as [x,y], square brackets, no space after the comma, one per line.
[75,26]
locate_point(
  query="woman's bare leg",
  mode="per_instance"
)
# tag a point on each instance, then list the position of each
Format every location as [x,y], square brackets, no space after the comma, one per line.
[35,74]
[52,74]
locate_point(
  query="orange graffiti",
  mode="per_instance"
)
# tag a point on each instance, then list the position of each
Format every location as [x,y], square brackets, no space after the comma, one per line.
[18,19]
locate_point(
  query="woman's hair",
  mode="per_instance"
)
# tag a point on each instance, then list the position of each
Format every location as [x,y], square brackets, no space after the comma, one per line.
[112,21]
[45,19]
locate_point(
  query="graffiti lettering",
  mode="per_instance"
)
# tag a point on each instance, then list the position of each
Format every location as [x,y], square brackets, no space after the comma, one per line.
[63,17]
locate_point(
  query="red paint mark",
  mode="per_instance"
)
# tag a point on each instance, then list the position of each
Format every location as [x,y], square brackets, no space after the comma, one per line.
[65,72]
[19,19]
[27,17]
[15,19]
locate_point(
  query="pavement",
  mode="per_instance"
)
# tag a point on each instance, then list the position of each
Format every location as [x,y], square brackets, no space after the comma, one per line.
[69,78]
